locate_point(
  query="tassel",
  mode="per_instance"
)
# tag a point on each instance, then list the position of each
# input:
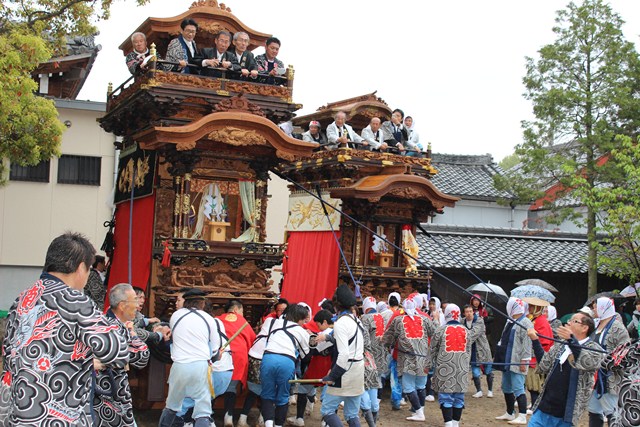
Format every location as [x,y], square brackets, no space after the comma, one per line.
[166,255]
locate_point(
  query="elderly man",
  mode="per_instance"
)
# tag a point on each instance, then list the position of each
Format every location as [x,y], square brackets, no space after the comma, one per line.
[219,56]
[373,136]
[570,368]
[396,134]
[233,320]
[195,340]
[246,61]
[340,134]
[183,50]
[112,385]
[136,58]
[314,134]
[54,332]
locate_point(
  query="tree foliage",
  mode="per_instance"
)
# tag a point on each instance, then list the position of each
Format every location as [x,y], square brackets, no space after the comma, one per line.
[31,32]
[583,88]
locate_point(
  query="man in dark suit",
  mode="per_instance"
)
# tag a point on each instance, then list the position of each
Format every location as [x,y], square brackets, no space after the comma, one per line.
[219,57]
[246,61]
[395,133]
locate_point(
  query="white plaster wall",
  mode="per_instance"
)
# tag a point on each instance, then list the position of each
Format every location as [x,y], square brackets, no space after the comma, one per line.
[474,213]
[32,214]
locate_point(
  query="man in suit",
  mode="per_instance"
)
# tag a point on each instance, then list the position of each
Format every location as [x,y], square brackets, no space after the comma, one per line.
[246,62]
[340,134]
[396,134]
[183,50]
[374,136]
[219,57]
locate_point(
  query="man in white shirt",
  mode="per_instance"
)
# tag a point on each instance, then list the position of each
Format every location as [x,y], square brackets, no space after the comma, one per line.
[195,339]
[340,134]
[415,148]
[373,136]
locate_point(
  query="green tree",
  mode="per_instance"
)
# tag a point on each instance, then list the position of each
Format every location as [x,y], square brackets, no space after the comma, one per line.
[509,161]
[583,88]
[32,31]
[618,207]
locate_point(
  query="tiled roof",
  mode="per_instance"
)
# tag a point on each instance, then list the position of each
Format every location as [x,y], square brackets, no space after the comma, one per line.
[502,249]
[466,176]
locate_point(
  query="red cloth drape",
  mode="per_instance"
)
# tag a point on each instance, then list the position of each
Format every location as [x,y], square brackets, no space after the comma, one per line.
[142,243]
[312,267]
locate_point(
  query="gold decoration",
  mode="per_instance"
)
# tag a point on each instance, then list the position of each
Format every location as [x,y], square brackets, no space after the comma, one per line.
[237,137]
[258,89]
[128,178]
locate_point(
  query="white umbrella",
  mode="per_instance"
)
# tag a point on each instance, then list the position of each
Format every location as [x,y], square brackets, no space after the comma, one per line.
[488,288]
[631,291]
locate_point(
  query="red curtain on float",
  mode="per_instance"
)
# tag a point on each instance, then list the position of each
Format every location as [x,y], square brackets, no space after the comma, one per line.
[141,241]
[311,272]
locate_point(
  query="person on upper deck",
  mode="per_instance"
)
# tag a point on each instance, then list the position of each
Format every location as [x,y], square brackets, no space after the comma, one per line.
[340,134]
[268,63]
[183,49]
[219,56]
[314,134]
[135,58]
[246,61]
[396,134]
[374,136]
[415,148]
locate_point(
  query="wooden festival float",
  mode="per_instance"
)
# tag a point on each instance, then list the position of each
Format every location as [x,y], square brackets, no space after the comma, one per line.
[193,177]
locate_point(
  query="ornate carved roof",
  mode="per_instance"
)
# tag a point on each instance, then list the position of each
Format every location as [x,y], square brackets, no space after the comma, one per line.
[241,126]
[360,110]
[211,17]
[403,186]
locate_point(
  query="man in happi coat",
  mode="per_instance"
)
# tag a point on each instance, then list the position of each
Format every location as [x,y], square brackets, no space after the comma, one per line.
[410,331]
[451,354]
[54,334]
[233,320]
[112,397]
[610,333]
[512,357]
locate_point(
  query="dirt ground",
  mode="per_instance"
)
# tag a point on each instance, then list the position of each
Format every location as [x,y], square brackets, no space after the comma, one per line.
[477,413]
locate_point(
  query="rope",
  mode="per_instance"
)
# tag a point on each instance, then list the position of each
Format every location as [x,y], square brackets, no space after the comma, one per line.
[344,258]
[422,264]
[130,237]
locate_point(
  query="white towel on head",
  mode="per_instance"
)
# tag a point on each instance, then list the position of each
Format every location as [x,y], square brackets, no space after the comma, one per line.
[552,313]
[515,307]
[409,307]
[368,303]
[451,312]
[382,307]
[605,308]
[394,294]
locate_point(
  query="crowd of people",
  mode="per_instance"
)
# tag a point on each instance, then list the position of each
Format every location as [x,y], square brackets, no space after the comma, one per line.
[396,135]
[65,362]
[228,55]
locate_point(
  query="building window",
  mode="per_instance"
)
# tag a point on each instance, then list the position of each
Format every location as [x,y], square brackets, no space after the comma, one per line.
[37,173]
[84,170]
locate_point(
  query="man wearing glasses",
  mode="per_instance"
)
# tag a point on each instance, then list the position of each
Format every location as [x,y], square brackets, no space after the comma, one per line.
[183,50]
[570,368]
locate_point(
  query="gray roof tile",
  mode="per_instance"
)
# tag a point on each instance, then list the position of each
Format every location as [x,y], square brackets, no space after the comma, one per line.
[466,175]
[502,249]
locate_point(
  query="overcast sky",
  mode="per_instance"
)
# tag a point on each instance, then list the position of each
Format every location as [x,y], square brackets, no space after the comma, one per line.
[455,66]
